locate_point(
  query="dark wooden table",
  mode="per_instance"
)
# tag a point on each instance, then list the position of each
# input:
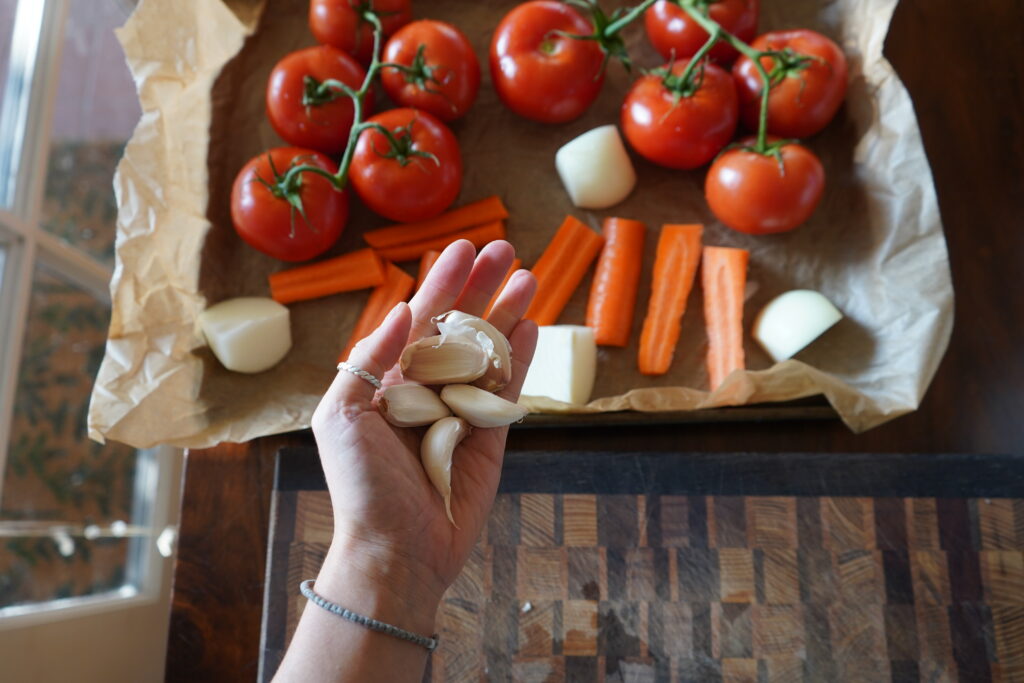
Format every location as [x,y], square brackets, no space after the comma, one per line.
[964,67]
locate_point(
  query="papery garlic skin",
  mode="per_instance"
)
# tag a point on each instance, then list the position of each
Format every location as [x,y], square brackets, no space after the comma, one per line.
[495,344]
[411,405]
[481,408]
[444,360]
[436,452]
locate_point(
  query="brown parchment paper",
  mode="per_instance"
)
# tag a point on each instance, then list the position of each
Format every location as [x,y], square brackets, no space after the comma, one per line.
[874,247]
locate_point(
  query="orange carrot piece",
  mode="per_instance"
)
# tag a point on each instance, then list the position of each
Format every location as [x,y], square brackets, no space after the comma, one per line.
[516,265]
[426,263]
[397,287]
[613,292]
[359,269]
[479,236]
[561,268]
[724,278]
[486,210]
[675,268]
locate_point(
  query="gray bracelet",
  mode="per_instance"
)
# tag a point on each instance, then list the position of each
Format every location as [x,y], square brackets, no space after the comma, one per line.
[306,588]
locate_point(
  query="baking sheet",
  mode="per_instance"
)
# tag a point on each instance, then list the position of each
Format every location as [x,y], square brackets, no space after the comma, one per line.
[874,246]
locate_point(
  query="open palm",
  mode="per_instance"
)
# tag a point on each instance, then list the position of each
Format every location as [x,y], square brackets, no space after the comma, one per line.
[381,495]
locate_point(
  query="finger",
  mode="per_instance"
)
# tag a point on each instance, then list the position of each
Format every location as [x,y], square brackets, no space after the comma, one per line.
[516,295]
[523,338]
[375,354]
[442,287]
[488,271]
[524,343]
[513,301]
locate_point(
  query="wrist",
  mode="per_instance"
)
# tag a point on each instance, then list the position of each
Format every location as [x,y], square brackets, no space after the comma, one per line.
[380,584]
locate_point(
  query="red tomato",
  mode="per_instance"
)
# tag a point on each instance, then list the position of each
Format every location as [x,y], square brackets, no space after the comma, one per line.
[756,194]
[675,129]
[540,74]
[400,183]
[270,224]
[677,36]
[443,80]
[805,93]
[340,23]
[300,113]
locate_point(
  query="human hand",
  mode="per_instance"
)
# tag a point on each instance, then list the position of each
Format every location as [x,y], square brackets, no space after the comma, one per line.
[390,528]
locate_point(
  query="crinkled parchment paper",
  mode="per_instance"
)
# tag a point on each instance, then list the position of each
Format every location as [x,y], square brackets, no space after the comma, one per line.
[874,247]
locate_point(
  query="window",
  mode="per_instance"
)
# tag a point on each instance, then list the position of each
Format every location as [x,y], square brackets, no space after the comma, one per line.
[67,502]
[94,114]
[7,8]
[79,521]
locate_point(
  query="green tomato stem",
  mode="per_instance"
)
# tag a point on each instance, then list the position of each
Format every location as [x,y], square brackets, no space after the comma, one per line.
[710,25]
[684,79]
[290,182]
[292,179]
[628,18]
[357,102]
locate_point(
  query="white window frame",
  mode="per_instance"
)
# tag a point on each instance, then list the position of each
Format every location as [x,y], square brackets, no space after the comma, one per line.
[26,114]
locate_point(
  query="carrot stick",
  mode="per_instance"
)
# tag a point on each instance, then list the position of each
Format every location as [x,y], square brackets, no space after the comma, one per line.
[613,292]
[355,270]
[479,236]
[383,298]
[484,211]
[724,277]
[516,265]
[561,268]
[675,267]
[426,263]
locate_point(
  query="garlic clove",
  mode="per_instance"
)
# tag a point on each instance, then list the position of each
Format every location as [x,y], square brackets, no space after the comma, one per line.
[436,455]
[411,405]
[497,346]
[439,360]
[481,408]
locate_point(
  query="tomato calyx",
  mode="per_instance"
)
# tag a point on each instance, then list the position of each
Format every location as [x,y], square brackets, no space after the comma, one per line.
[401,146]
[771,148]
[317,93]
[691,79]
[787,63]
[684,84]
[288,187]
[420,73]
[607,37]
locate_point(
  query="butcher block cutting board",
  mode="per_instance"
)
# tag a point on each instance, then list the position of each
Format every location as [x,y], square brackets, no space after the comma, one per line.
[712,567]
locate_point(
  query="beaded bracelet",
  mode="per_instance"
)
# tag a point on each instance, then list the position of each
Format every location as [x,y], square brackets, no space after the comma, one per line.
[306,588]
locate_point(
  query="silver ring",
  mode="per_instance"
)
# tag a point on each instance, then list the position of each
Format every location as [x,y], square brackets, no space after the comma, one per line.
[359,372]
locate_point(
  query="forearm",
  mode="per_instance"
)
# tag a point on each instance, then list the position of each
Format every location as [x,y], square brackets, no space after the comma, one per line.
[326,647]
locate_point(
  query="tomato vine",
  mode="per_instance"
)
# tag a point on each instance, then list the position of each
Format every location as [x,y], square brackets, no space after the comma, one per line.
[606,33]
[288,184]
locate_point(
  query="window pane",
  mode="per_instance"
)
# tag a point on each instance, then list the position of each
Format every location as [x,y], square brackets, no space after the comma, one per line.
[7,8]
[94,114]
[67,502]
